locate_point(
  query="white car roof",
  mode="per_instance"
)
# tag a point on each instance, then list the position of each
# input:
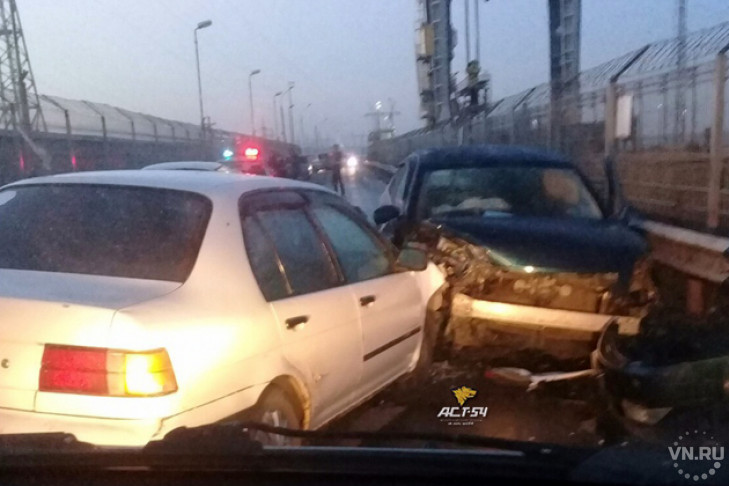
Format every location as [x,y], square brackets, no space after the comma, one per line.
[189,165]
[209,183]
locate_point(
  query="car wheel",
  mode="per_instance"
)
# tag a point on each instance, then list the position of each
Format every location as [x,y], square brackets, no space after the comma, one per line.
[276,408]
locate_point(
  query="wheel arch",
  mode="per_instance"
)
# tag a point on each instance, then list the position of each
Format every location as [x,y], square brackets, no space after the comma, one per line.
[298,392]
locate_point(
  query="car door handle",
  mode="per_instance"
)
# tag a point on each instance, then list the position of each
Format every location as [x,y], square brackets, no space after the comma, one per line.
[367,300]
[295,322]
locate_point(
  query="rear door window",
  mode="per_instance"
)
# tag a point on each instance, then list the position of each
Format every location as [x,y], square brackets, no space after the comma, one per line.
[264,261]
[306,262]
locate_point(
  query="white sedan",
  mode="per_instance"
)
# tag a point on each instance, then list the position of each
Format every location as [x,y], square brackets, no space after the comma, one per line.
[136,302]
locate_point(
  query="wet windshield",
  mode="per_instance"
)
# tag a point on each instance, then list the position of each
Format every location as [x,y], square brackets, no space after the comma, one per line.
[498,191]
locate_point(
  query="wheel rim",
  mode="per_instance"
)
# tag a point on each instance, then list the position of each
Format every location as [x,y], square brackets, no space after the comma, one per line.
[274,418]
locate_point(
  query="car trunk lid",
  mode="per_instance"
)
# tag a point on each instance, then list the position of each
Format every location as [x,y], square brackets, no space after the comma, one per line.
[71,309]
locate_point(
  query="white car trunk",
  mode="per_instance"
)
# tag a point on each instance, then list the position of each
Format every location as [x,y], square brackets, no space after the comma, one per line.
[40,307]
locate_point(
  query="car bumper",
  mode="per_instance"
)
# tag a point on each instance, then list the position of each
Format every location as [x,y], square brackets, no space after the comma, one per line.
[474,323]
[99,431]
[133,432]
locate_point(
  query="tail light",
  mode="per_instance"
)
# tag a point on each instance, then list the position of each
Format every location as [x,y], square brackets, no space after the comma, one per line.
[108,372]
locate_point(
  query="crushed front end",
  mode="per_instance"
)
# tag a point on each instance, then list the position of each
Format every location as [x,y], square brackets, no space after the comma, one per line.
[493,303]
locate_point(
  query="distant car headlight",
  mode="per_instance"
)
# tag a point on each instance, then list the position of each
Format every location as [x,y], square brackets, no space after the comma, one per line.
[352,162]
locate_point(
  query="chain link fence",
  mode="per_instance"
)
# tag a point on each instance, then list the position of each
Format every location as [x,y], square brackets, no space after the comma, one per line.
[664,155]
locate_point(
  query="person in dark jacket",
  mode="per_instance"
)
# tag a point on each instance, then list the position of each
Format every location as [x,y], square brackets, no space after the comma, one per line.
[336,165]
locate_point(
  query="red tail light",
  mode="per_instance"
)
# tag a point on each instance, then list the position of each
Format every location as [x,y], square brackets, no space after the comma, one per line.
[100,371]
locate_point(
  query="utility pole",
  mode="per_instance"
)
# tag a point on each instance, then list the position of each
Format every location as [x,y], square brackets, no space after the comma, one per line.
[468,32]
[275,116]
[291,112]
[250,95]
[301,124]
[478,30]
[201,25]
[20,109]
[681,72]
[283,123]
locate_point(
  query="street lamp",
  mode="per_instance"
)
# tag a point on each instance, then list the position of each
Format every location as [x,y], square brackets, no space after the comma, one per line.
[201,25]
[275,115]
[250,94]
[301,123]
[291,110]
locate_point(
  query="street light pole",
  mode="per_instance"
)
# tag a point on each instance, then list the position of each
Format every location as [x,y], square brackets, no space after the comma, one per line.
[291,111]
[301,124]
[275,115]
[201,25]
[250,94]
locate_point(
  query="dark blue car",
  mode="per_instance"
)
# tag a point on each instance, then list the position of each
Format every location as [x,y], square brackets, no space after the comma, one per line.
[529,248]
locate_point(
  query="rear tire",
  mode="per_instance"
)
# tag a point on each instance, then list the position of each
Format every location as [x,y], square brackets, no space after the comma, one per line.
[277,409]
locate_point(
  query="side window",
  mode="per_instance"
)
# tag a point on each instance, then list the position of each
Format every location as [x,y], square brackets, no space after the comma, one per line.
[358,252]
[306,262]
[264,261]
[397,183]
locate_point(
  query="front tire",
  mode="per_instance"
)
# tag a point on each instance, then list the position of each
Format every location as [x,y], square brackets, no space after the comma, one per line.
[277,409]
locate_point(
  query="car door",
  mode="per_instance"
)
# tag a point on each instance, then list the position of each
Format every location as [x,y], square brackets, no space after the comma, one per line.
[317,316]
[390,305]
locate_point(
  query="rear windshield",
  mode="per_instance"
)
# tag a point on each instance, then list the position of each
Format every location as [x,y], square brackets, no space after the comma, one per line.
[115,231]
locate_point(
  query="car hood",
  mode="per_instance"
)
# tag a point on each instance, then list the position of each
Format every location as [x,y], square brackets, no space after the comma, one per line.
[559,245]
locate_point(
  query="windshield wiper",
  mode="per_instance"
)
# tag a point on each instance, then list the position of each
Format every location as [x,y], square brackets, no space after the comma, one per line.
[232,437]
[49,442]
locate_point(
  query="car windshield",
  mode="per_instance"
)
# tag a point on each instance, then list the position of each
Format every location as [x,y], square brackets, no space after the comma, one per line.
[506,191]
[102,230]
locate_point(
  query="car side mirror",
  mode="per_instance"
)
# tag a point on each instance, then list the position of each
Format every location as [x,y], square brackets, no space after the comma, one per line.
[413,259]
[386,213]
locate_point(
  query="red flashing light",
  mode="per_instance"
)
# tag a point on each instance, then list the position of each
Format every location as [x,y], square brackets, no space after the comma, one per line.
[251,153]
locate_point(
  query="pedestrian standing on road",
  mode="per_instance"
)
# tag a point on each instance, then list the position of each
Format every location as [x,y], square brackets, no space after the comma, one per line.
[336,158]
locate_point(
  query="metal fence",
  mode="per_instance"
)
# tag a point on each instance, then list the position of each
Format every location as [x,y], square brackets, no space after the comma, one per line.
[666,159]
[84,118]
[81,135]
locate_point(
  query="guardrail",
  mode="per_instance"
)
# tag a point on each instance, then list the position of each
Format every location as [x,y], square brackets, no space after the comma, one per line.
[702,258]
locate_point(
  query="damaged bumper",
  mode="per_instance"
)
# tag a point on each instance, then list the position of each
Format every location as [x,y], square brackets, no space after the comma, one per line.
[474,322]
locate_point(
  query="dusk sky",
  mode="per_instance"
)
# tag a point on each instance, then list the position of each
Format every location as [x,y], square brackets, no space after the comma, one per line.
[343,55]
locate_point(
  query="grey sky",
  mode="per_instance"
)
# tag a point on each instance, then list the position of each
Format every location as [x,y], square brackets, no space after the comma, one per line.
[343,55]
